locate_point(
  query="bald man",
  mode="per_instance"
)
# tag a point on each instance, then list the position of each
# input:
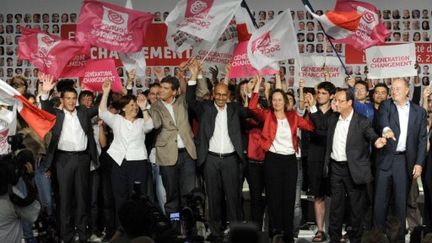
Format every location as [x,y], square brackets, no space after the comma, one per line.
[220,151]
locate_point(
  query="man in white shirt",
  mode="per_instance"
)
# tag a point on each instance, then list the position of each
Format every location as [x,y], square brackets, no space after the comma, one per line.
[403,123]
[220,151]
[347,157]
[72,146]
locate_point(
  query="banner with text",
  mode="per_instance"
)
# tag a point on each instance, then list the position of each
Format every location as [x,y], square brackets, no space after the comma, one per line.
[311,71]
[391,61]
[97,71]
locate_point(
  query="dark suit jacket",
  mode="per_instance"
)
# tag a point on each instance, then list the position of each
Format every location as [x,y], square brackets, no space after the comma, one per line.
[207,112]
[84,116]
[416,139]
[360,134]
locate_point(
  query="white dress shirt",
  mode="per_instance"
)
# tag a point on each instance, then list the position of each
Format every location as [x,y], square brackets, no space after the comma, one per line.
[403,113]
[169,106]
[129,137]
[220,142]
[72,137]
[340,138]
[282,143]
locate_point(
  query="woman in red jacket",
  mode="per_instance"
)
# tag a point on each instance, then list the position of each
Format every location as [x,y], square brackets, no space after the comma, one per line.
[279,140]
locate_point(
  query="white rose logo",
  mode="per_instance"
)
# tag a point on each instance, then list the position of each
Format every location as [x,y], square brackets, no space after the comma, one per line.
[198,6]
[115,17]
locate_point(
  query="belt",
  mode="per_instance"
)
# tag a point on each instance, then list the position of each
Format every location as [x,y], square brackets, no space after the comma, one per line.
[71,152]
[400,152]
[221,155]
[339,162]
[181,150]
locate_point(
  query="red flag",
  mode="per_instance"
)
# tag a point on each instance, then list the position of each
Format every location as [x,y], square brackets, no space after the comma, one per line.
[97,71]
[111,26]
[39,120]
[371,31]
[48,52]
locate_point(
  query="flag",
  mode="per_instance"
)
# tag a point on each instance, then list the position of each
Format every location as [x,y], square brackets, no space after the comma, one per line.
[273,42]
[371,31]
[219,53]
[136,60]
[245,22]
[112,27]
[241,67]
[39,120]
[194,20]
[48,52]
[338,25]
[97,71]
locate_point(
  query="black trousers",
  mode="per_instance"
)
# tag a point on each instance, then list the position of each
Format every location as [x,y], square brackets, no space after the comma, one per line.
[124,176]
[94,183]
[73,180]
[280,185]
[178,180]
[342,187]
[255,179]
[222,180]
[427,186]
[108,209]
[394,181]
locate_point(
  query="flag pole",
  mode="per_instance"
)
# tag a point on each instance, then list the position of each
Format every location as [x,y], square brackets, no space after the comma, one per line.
[306,2]
[244,4]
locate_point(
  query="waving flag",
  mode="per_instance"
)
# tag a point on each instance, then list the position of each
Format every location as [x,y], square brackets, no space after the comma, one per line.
[370,31]
[39,120]
[338,25]
[194,20]
[273,42]
[48,52]
[113,27]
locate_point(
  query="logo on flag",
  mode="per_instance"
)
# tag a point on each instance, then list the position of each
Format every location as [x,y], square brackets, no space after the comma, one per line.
[193,21]
[47,52]
[265,49]
[198,7]
[112,27]
[265,45]
[115,19]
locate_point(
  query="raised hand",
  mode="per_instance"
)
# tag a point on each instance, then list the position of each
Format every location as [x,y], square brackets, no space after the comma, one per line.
[214,71]
[142,101]
[47,82]
[106,86]
[131,75]
[350,81]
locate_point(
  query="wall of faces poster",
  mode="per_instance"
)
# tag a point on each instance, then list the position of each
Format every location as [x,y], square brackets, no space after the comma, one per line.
[408,21]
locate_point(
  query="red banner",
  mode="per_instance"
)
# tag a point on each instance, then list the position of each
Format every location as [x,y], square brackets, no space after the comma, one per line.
[423,53]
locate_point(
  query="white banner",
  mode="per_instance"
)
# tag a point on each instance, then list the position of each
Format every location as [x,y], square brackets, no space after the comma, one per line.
[391,61]
[311,71]
[273,42]
[202,19]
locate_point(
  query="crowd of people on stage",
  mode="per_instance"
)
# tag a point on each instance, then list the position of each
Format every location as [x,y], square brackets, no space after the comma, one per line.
[364,148]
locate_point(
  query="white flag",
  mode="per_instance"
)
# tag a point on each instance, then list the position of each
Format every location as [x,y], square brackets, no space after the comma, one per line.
[194,20]
[275,41]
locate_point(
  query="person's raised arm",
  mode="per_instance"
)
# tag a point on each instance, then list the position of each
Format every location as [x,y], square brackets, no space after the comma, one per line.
[106,88]
[143,105]
[48,84]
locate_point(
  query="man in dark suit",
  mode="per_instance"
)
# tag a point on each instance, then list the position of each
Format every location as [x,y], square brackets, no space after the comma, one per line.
[220,150]
[347,159]
[403,123]
[72,147]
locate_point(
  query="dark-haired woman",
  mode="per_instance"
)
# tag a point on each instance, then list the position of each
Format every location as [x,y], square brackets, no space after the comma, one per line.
[279,140]
[127,149]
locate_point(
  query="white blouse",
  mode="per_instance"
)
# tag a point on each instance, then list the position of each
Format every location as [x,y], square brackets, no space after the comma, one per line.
[129,137]
[282,143]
